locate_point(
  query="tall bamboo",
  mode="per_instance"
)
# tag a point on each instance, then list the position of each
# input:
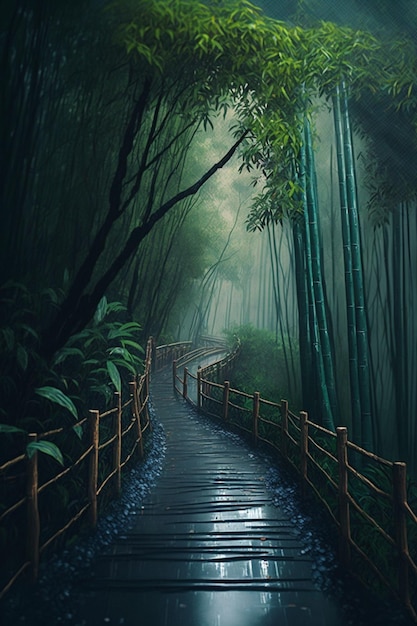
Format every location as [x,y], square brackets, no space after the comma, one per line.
[357,273]
[323,400]
[356,428]
[399,304]
[318,277]
[306,357]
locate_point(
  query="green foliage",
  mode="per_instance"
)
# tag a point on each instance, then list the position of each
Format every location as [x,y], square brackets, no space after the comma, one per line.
[98,355]
[260,363]
[58,397]
[46,447]
[83,375]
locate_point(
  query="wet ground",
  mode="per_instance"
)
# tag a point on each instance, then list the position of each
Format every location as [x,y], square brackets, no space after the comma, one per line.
[214,536]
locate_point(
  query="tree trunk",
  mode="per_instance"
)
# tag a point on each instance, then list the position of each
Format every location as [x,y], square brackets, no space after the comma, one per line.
[78,308]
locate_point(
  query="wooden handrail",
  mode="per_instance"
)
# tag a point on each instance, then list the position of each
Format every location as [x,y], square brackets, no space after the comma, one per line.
[119,438]
[214,399]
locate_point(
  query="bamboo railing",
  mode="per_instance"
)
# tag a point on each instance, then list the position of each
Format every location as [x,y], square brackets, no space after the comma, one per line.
[108,441]
[374,521]
[167,353]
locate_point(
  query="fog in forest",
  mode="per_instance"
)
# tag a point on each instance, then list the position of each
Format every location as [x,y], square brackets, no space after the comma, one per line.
[98,155]
[265,294]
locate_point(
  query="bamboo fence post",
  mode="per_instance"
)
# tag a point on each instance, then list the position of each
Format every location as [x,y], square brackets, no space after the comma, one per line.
[142,403]
[185,384]
[255,416]
[226,394]
[153,354]
[94,418]
[32,511]
[344,509]
[303,450]
[146,397]
[399,476]
[284,427]
[117,447]
[136,414]
[199,388]
[174,373]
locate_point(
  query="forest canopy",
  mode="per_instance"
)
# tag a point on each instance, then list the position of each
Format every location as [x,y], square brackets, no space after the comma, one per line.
[101,123]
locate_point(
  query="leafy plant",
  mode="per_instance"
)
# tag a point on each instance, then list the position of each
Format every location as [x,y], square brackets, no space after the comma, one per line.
[37,395]
[260,363]
[95,362]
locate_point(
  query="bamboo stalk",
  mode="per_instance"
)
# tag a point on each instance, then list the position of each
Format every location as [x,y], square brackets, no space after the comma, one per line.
[117,448]
[32,519]
[303,450]
[284,427]
[226,394]
[185,384]
[153,354]
[325,369]
[347,259]
[145,393]
[344,509]
[199,388]
[136,413]
[399,479]
[93,469]
[357,275]
[174,373]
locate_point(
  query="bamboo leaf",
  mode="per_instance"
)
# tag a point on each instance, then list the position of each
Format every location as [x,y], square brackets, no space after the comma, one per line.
[58,397]
[114,375]
[46,447]
[22,357]
[101,311]
[67,352]
[78,431]
[134,344]
[6,428]
[124,330]
[8,337]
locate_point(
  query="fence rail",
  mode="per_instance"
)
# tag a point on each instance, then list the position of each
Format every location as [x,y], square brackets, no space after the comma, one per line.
[364,494]
[106,442]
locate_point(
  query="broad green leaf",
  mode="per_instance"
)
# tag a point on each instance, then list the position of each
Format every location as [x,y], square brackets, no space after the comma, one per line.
[131,326]
[30,331]
[22,357]
[103,390]
[114,375]
[5,428]
[91,362]
[122,352]
[115,307]
[8,337]
[134,344]
[46,447]
[66,277]
[101,311]
[67,352]
[78,431]
[51,294]
[126,365]
[125,330]
[58,397]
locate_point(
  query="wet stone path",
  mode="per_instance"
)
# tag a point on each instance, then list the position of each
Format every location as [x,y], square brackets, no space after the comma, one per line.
[208,546]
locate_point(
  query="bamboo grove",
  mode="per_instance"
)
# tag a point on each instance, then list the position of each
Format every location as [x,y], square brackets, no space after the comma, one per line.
[104,119]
